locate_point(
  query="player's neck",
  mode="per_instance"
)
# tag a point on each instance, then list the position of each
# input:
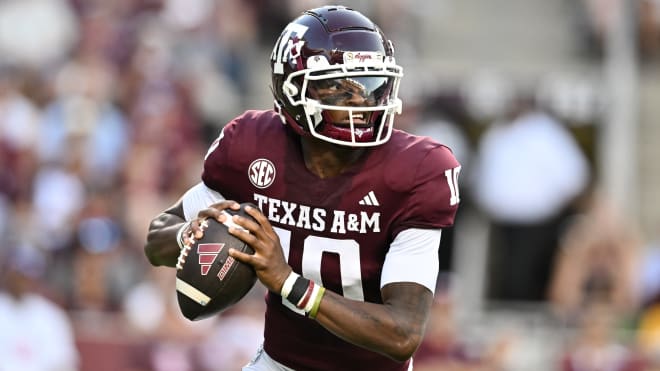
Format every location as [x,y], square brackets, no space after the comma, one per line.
[328,160]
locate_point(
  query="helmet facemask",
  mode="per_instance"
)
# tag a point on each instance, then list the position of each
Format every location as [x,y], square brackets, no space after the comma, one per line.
[352,103]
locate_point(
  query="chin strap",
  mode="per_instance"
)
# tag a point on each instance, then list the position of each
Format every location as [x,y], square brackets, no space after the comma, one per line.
[278,109]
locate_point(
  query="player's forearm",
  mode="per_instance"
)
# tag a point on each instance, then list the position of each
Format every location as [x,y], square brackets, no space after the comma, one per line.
[393,329]
[161,247]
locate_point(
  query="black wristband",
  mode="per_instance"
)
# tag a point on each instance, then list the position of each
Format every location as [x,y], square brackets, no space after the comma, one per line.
[298,291]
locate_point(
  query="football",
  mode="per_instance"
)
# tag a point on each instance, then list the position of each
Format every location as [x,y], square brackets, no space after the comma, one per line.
[208,280]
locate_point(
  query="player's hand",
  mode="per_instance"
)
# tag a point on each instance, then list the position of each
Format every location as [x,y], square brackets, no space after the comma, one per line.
[268,258]
[196,227]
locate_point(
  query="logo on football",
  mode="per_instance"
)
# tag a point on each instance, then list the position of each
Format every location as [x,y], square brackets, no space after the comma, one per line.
[207,253]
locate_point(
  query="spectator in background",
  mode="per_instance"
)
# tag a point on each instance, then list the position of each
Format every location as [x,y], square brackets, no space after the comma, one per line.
[151,311]
[595,345]
[528,173]
[99,263]
[649,27]
[19,117]
[19,127]
[597,18]
[52,31]
[35,334]
[82,123]
[598,263]
[54,212]
[648,331]
[648,335]
[650,274]
[447,346]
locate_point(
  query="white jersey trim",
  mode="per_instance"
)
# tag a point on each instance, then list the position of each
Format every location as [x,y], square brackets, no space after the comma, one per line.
[413,257]
[197,198]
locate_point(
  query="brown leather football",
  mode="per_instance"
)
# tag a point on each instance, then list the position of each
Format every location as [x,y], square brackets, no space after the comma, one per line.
[208,280]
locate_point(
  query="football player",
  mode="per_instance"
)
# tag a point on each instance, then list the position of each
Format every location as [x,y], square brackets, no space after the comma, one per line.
[350,210]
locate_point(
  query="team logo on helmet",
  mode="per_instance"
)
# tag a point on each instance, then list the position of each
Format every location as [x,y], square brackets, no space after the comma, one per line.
[261,173]
[288,46]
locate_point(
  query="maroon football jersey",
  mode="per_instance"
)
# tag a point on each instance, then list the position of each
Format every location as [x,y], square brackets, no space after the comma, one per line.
[335,231]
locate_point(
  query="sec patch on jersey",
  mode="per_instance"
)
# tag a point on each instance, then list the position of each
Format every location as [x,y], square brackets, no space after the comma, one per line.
[208,280]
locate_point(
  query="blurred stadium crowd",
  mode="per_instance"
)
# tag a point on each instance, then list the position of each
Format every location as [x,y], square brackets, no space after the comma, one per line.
[106,110]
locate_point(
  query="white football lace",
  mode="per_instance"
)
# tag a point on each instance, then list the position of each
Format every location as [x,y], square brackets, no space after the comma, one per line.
[183,254]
